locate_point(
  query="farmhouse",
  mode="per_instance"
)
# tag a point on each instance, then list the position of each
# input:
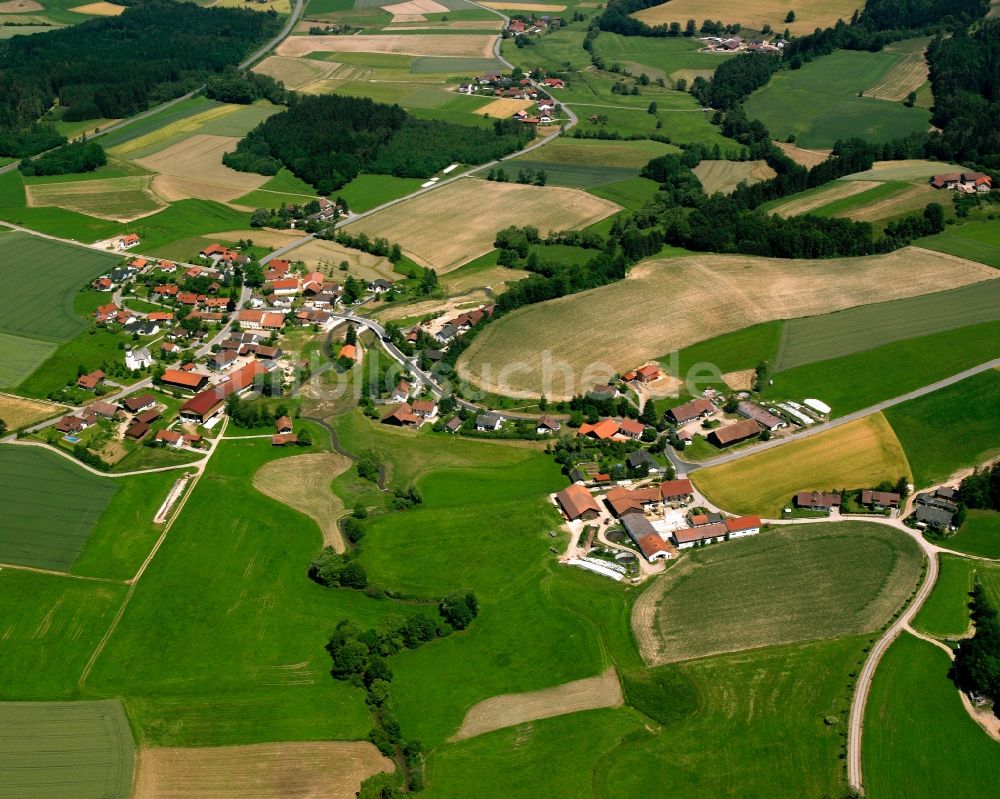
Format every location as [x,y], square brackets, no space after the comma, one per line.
[762,416]
[403,416]
[90,381]
[206,404]
[648,373]
[489,422]
[170,437]
[577,503]
[622,500]
[933,517]
[966,182]
[260,320]
[691,536]
[879,500]
[140,403]
[286,287]
[734,433]
[425,409]
[816,500]
[71,424]
[677,491]
[128,241]
[106,410]
[631,428]
[547,425]
[136,430]
[646,538]
[689,411]
[222,359]
[743,526]
[604,429]
[704,519]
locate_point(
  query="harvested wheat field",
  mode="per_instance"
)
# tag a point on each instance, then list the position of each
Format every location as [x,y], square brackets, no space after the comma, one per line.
[447,227]
[510,709]
[559,346]
[914,169]
[100,9]
[117,199]
[909,73]
[299,770]
[743,380]
[295,72]
[837,190]
[809,14]
[416,7]
[263,237]
[197,162]
[459,44]
[17,411]
[543,7]
[724,176]
[21,7]
[858,454]
[303,482]
[802,583]
[501,109]
[326,257]
[806,158]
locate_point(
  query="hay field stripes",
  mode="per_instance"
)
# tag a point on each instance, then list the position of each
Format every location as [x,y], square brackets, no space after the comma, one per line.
[794,584]
[809,14]
[858,454]
[296,72]
[910,198]
[463,45]
[908,74]
[51,750]
[331,769]
[303,482]
[49,507]
[819,338]
[724,176]
[838,190]
[19,412]
[511,709]
[177,129]
[117,199]
[458,222]
[664,302]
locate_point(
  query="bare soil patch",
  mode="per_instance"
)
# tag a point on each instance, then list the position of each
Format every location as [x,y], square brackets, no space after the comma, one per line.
[450,226]
[510,709]
[328,769]
[196,165]
[18,411]
[416,7]
[463,45]
[303,482]
[838,190]
[561,345]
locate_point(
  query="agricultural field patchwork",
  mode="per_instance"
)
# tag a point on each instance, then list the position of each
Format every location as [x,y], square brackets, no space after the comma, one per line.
[670,296]
[859,454]
[787,586]
[819,103]
[809,15]
[51,506]
[447,227]
[48,746]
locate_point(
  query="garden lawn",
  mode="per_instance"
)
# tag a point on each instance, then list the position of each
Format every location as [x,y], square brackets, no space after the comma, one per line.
[819,103]
[783,586]
[979,535]
[852,382]
[855,455]
[919,741]
[952,428]
[49,507]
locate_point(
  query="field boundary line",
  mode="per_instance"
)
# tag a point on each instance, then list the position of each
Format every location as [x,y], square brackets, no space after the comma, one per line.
[98,472]
[134,581]
[55,573]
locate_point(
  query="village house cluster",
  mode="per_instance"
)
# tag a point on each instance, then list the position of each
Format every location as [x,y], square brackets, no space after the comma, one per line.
[737,44]
[509,87]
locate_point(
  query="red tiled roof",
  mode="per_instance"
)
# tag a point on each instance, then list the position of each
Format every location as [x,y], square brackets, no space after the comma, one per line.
[576,500]
[742,523]
[676,488]
[179,377]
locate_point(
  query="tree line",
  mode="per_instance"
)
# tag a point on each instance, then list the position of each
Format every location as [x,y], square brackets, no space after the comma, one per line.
[78,156]
[328,140]
[115,67]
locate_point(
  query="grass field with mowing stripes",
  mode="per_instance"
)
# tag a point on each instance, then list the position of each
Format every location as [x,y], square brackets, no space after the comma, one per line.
[919,741]
[52,750]
[953,428]
[781,587]
[980,535]
[977,241]
[819,338]
[49,507]
[859,454]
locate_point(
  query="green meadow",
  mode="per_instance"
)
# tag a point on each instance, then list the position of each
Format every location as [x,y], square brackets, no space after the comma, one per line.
[819,103]
[980,535]
[977,241]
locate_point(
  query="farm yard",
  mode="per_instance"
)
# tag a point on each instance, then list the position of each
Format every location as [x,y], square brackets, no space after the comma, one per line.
[426,226]
[303,483]
[787,586]
[47,746]
[919,741]
[333,769]
[670,293]
[859,454]
[724,176]
[512,709]
[819,103]
[809,15]
[51,506]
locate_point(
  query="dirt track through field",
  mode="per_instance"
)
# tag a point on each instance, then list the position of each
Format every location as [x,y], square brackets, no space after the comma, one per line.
[303,482]
[297,770]
[510,709]
[560,346]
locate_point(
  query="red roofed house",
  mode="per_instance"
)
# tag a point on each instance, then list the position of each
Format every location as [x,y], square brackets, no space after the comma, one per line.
[647,374]
[742,526]
[160,316]
[677,491]
[283,424]
[260,320]
[283,439]
[105,312]
[206,404]
[212,249]
[631,428]
[184,379]
[708,534]
[128,241]
[734,433]
[642,532]
[170,437]
[604,429]
[425,409]
[285,286]
[70,424]
[348,351]
[166,290]
[313,283]
[554,83]
[689,411]
[90,382]
[578,503]
[402,416]
[103,284]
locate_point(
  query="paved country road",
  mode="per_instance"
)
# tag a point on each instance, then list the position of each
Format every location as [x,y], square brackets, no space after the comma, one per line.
[258,53]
